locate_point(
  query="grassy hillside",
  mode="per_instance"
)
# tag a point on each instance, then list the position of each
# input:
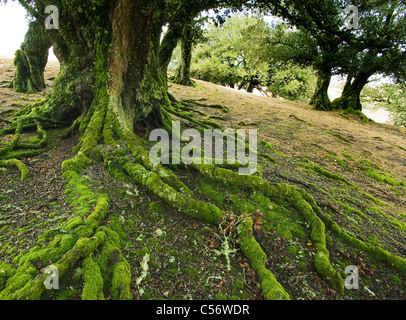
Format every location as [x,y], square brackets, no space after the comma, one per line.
[354,169]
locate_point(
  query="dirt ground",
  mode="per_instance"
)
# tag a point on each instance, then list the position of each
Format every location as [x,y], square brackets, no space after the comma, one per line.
[184,264]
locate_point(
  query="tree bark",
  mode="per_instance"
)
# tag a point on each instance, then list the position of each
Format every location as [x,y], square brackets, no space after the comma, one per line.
[168,45]
[111,66]
[183,73]
[350,98]
[31,59]
[320,99]
[253,83]
[131,75]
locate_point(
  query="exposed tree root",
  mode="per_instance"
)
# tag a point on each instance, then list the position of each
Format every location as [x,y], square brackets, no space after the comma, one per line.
[16,163]
[105,137]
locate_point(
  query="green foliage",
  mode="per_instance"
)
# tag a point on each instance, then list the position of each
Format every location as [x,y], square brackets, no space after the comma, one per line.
[233,51]
[292,82]
[244,51]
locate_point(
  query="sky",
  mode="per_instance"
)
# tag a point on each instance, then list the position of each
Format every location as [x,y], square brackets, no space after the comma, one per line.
[13,26]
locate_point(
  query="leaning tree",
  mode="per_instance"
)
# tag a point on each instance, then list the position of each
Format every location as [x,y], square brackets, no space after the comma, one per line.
[372,45]
[109,83]
[379,49]
[323,21]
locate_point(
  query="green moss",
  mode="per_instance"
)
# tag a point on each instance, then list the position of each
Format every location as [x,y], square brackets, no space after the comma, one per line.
[66,294]
[271,288]
[208,191]
[374,171]
[302,265]
[6,271]
[114,267]
[305,204]
[348,156]
[339,136]
[383,177]
[179,201]
[73,223]
[16,163]
[93,281]
[238,285]
[292,249]
[394,221]
[220,296]
[77,164]
[121,280]
[398,263]
[300,200]
[395,280]
[269,147]
[328,174]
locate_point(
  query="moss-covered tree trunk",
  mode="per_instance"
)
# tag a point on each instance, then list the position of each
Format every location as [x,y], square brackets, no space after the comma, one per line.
[108,64]
[186,43]
[320,99]
[31,59]
[350,97]
[168,45]
[253,83]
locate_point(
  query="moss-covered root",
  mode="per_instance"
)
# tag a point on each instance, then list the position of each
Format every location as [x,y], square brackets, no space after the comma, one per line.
[16,163]
[182,202]
[396,262]
[321,261]
[93,281]
[271,288]
[25,286]
[287,194]
[17,135]
[114,266]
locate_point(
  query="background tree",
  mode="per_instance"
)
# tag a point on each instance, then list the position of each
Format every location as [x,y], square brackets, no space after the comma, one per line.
[234,53]
[31,59]
[376,47]
[323,21]
[179,17]
[247,52]
[379,49]
[388,96]
[292,54]
[191,35]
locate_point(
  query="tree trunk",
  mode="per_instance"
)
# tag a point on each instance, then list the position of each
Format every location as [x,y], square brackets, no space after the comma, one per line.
[134,84]
[320,99]
[168,45]
[252,84]
[111,67]
[348,82]
[30,60]
[183,73]
[350,98]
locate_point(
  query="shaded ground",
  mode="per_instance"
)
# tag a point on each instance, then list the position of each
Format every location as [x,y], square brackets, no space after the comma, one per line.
[185,260]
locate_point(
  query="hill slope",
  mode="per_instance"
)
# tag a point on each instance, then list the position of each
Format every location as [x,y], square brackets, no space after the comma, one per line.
[355,171]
